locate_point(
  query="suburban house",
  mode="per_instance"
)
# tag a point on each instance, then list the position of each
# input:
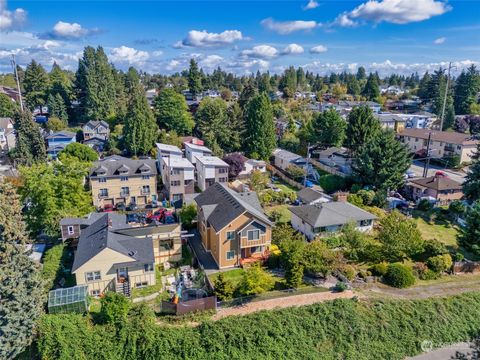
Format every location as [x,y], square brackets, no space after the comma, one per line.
[192,151]
[391,121]
[116,179]
[12,93]
[210,169]
[96,143]
[346,106]
[442,143]
[232,226]
[324,219]
[439,187]
[96,129]
[283,159]
[419,119]
[58,141]
[336,157]
[252,165]
[7,134]
[178,177]
[107,259]
[309,196]
[166,150]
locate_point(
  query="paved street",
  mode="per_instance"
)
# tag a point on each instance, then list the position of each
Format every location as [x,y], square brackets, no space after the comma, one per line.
[417,168]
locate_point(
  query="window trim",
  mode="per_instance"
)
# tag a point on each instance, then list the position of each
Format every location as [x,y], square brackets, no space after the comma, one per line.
[146,268]
[94,277]
[70,230]
[233,256]
[248,235]
[230,232]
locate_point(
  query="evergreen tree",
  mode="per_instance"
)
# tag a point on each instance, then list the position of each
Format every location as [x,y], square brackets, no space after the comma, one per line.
[57,108]
[260,128]
[121,97]
[361,73]
[61,83]
[362,128]
[171,111]
[36,84]
[470,236]
[371,90]
[288,83]
[96,85]
[30,146]
[194,78]
[236,123]
[140,130]
[212,122]
[329,129]
[223,288]
[471,186]
[424,86]
[8,108]
[246,95]
[301,79]
[20,282]
[382,162]
[467,88]
[449,119]
[353,87]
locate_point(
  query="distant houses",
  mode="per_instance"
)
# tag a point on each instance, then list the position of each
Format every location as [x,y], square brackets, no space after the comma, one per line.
[57,141]
[439,188]
[7,134]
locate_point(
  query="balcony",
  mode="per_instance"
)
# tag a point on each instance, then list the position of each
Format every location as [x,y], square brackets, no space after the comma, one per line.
[244,242]
[449,149]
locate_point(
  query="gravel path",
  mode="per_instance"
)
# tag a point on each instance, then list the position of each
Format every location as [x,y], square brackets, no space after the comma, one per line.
[294,300]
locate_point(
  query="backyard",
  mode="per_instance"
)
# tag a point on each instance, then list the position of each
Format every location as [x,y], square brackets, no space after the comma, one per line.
[280,213]
[433,225]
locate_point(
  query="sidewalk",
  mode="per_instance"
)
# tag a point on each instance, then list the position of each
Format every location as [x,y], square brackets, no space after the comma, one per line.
[289,301]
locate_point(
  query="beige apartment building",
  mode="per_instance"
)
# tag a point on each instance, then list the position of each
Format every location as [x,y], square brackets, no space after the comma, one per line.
[116,180]
[442,143]
[210,169]
[178,176]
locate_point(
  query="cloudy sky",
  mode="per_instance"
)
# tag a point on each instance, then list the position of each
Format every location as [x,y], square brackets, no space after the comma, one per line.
[322,36]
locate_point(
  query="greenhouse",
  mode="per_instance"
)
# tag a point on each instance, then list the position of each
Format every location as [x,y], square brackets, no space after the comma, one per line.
[68,300]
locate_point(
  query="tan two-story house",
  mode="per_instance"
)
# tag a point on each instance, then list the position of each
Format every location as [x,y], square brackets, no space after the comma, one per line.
[210,169]
[116,179]
[178,176]
[439,187]
[233,226]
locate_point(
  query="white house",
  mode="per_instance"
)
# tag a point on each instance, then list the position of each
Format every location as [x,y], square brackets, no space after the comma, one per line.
[210,169]
[253,165]
[284,158]
[166,150]
[324,219]
[192,151]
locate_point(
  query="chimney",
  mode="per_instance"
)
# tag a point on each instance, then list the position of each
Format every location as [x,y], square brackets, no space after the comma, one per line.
[340,196]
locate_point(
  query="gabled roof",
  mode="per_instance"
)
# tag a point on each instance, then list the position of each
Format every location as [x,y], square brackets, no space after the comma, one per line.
[221,206]
[6,123]
[331,213]
[100,235]
[438,183]
[93,124]
[114,164]
[61,134]
[285,154]
[307,195]
[197,147]
[442,136]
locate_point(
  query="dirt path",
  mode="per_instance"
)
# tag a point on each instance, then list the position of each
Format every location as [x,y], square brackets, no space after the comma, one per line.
[294,300]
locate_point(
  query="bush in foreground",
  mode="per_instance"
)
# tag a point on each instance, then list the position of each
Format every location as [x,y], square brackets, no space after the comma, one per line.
[399,276]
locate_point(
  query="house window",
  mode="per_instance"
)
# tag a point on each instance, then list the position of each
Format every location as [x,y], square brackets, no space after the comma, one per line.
[175,183]
[231,255]
[103,192]
[222,179]
[102,180]
[93,276]
[125,191]
[124,178]
[222,171]
[365,222]
[95,293]
[255,249]
[253,234]
[459,147]
[70,230]
[230,235]
[145,177]
[148,267]
[146,189]
[141,284]
[175,172]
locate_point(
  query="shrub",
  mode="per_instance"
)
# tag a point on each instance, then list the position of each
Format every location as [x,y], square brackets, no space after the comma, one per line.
[440,263]
[188,214]
[420,269]
[349,272]
[223,288]
[399,275]
[355,199]
[424,205]
[340,286]
[380,269]
[115,307]
[434,247]
[52,265]
[255,281]
[459,256]
[367,196]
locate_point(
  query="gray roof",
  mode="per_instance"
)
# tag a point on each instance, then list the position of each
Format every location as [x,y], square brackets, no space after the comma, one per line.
[94,123]
[222,205]
[307,195]
[331,213]
[111,164]
[285,154]
[5,122]
[389,117]
[61,134]
[101,234]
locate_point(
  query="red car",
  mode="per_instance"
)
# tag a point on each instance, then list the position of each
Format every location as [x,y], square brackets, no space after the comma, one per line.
[107,208]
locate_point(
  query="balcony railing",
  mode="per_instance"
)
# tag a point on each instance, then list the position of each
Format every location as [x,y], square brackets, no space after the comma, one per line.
[248,243]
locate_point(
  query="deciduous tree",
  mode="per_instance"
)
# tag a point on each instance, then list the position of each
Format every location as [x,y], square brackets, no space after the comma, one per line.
[172,112]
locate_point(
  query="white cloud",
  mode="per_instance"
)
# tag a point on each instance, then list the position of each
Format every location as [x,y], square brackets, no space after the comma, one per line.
[312,4]
[260,52]
[157,53]
[211,62]
[287,27]
[318,49]
[10,20]
[292,49]
[129,55]
[70,31]
[203,38]
[439,41]
[393,11]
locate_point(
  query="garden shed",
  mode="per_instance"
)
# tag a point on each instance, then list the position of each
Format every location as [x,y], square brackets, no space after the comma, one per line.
[68,300]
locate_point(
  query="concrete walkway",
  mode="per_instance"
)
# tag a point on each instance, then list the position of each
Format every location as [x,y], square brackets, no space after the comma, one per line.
[288,301]
[446,353]
[205,259]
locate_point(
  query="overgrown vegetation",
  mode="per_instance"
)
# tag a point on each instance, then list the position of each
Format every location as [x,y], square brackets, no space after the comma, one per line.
[346,329]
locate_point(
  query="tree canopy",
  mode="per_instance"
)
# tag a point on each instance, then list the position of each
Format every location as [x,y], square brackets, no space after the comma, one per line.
[30,146]
[171,111]
[329,129]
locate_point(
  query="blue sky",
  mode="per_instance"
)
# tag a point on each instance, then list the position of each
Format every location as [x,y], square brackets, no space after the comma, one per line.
[322,36]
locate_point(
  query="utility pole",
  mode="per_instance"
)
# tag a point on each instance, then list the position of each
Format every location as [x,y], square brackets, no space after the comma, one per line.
[306,166]
[445,97]
[427,161]
[15,72]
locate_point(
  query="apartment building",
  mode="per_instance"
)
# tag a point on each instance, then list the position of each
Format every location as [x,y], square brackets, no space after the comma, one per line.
[116,179]
[233,226]
[192,151]
[178,176]
[442,143]
[166,150]
[210,169]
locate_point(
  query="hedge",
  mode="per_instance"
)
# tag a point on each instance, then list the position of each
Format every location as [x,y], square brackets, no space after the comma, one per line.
[341,329]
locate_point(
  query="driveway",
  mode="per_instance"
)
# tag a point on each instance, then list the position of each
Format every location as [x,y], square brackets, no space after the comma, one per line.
[205,259]
[417,168]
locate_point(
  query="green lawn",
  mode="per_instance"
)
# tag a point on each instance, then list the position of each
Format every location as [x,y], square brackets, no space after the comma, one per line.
[284,186]
[285,214]
[434,227]
[235,276]
[149,290]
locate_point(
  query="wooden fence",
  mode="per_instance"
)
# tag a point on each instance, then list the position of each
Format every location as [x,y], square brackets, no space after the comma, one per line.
[185,307]
[328,169]
[284,177]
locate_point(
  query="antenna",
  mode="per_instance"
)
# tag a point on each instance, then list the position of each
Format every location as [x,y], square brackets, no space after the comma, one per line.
[15,72]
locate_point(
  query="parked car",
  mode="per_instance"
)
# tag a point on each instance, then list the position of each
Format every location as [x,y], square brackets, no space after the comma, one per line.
[121,207]
[132,218]
[409,174]
[132,207]
[107,208]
